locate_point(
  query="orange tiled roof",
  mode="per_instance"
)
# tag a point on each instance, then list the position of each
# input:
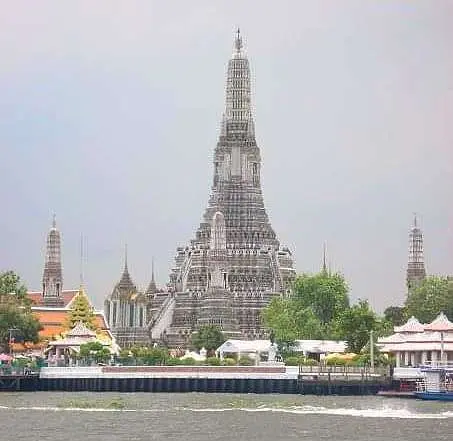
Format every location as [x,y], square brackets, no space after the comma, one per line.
[67,295]
[54,321]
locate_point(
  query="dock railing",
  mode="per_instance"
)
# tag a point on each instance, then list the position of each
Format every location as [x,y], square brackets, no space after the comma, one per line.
[343,371]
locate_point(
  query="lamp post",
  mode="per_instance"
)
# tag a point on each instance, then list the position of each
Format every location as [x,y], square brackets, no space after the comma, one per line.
[10,331]
[371,351]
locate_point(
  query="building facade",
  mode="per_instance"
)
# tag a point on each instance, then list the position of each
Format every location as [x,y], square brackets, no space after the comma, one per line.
[235,263]
[415,343]
[126,309]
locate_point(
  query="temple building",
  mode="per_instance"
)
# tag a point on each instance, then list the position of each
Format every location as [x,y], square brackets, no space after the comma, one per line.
[235,264]
[52,306]
[416,272]
[415,343]
[126,310]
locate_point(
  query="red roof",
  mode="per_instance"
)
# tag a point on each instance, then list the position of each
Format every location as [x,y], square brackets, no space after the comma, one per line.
[54,321]
[38,300]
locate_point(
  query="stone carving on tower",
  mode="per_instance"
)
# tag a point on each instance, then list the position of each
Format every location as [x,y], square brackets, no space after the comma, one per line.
[416,272]
[235,264]
[52,279]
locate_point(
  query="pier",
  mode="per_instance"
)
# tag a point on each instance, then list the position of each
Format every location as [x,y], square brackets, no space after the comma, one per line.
[19,382]
[216,379]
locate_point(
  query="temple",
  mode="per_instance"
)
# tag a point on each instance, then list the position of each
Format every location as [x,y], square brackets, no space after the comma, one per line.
[416,272]
[126,310]
[53,305]
[235,264]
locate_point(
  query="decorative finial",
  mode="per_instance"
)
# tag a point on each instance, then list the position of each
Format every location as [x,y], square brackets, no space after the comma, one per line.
[415,220]
[125,257]
[81,260]
[152,269]
[238,41]
[54,221]
[324,258]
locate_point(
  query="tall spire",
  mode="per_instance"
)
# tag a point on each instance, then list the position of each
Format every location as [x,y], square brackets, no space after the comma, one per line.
[416,265]
[324,258]
[238,91]
[81,260]
[126,282]
[52,279]
[152,287]
[238,42]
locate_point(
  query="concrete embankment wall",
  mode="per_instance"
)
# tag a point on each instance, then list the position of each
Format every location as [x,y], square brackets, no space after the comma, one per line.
[238,379]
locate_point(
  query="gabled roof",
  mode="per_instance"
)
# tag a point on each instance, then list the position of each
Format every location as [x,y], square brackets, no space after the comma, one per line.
[37,298]
[81,330]
[54,321]
[412,325]
[440,323]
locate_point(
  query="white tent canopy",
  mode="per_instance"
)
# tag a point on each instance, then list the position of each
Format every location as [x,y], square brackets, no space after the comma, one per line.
[263,346]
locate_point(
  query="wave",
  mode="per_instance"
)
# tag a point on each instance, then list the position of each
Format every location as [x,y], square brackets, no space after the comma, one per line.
[399,413]
[385,412]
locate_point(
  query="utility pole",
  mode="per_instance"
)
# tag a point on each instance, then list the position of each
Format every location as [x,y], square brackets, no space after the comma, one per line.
[371,350]
[10,345]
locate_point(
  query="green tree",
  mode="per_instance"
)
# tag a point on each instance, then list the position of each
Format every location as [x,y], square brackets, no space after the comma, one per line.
[16,318]
[209,337]
[324,293]
[12,289]
[150,356]
[95,351]
[354,325]
[433,295]
[396,315]
[288,321]
[81,311]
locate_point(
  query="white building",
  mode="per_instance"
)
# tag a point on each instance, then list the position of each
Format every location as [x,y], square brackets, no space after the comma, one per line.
[305,347]
[415,343]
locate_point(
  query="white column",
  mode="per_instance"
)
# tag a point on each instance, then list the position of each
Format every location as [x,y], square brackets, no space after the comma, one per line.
[412,356]
[398,359]
[406,358]
[434,356]
[424,357]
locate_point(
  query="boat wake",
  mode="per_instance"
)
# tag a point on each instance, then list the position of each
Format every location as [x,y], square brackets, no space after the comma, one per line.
[385,412]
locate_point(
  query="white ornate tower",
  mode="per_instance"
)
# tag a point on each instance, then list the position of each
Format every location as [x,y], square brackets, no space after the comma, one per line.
[235,254]
[416,264]
[52,279]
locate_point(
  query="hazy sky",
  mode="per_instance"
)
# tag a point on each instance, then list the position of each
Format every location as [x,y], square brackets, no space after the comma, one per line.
[110,110]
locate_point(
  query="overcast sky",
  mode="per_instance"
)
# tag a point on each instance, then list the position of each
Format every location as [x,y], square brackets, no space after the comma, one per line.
[110,112]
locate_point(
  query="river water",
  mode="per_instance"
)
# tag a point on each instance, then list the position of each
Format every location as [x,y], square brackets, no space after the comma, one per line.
[60,416]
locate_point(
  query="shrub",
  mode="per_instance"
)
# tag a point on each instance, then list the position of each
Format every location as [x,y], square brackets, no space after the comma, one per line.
[213,361]
[229,362]
[246,361]
[189,361]
[293,361]
[309,361]
[336,361]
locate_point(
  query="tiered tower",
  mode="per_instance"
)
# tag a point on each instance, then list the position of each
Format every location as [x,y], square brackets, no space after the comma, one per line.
[235,263]
[52,279]
[416,264]
[125,309]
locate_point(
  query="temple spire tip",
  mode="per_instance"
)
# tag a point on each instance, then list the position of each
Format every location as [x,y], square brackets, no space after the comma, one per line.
[238,41]
[125,258]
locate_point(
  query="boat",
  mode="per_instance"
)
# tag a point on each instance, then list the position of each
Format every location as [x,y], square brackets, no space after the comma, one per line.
[436,383]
